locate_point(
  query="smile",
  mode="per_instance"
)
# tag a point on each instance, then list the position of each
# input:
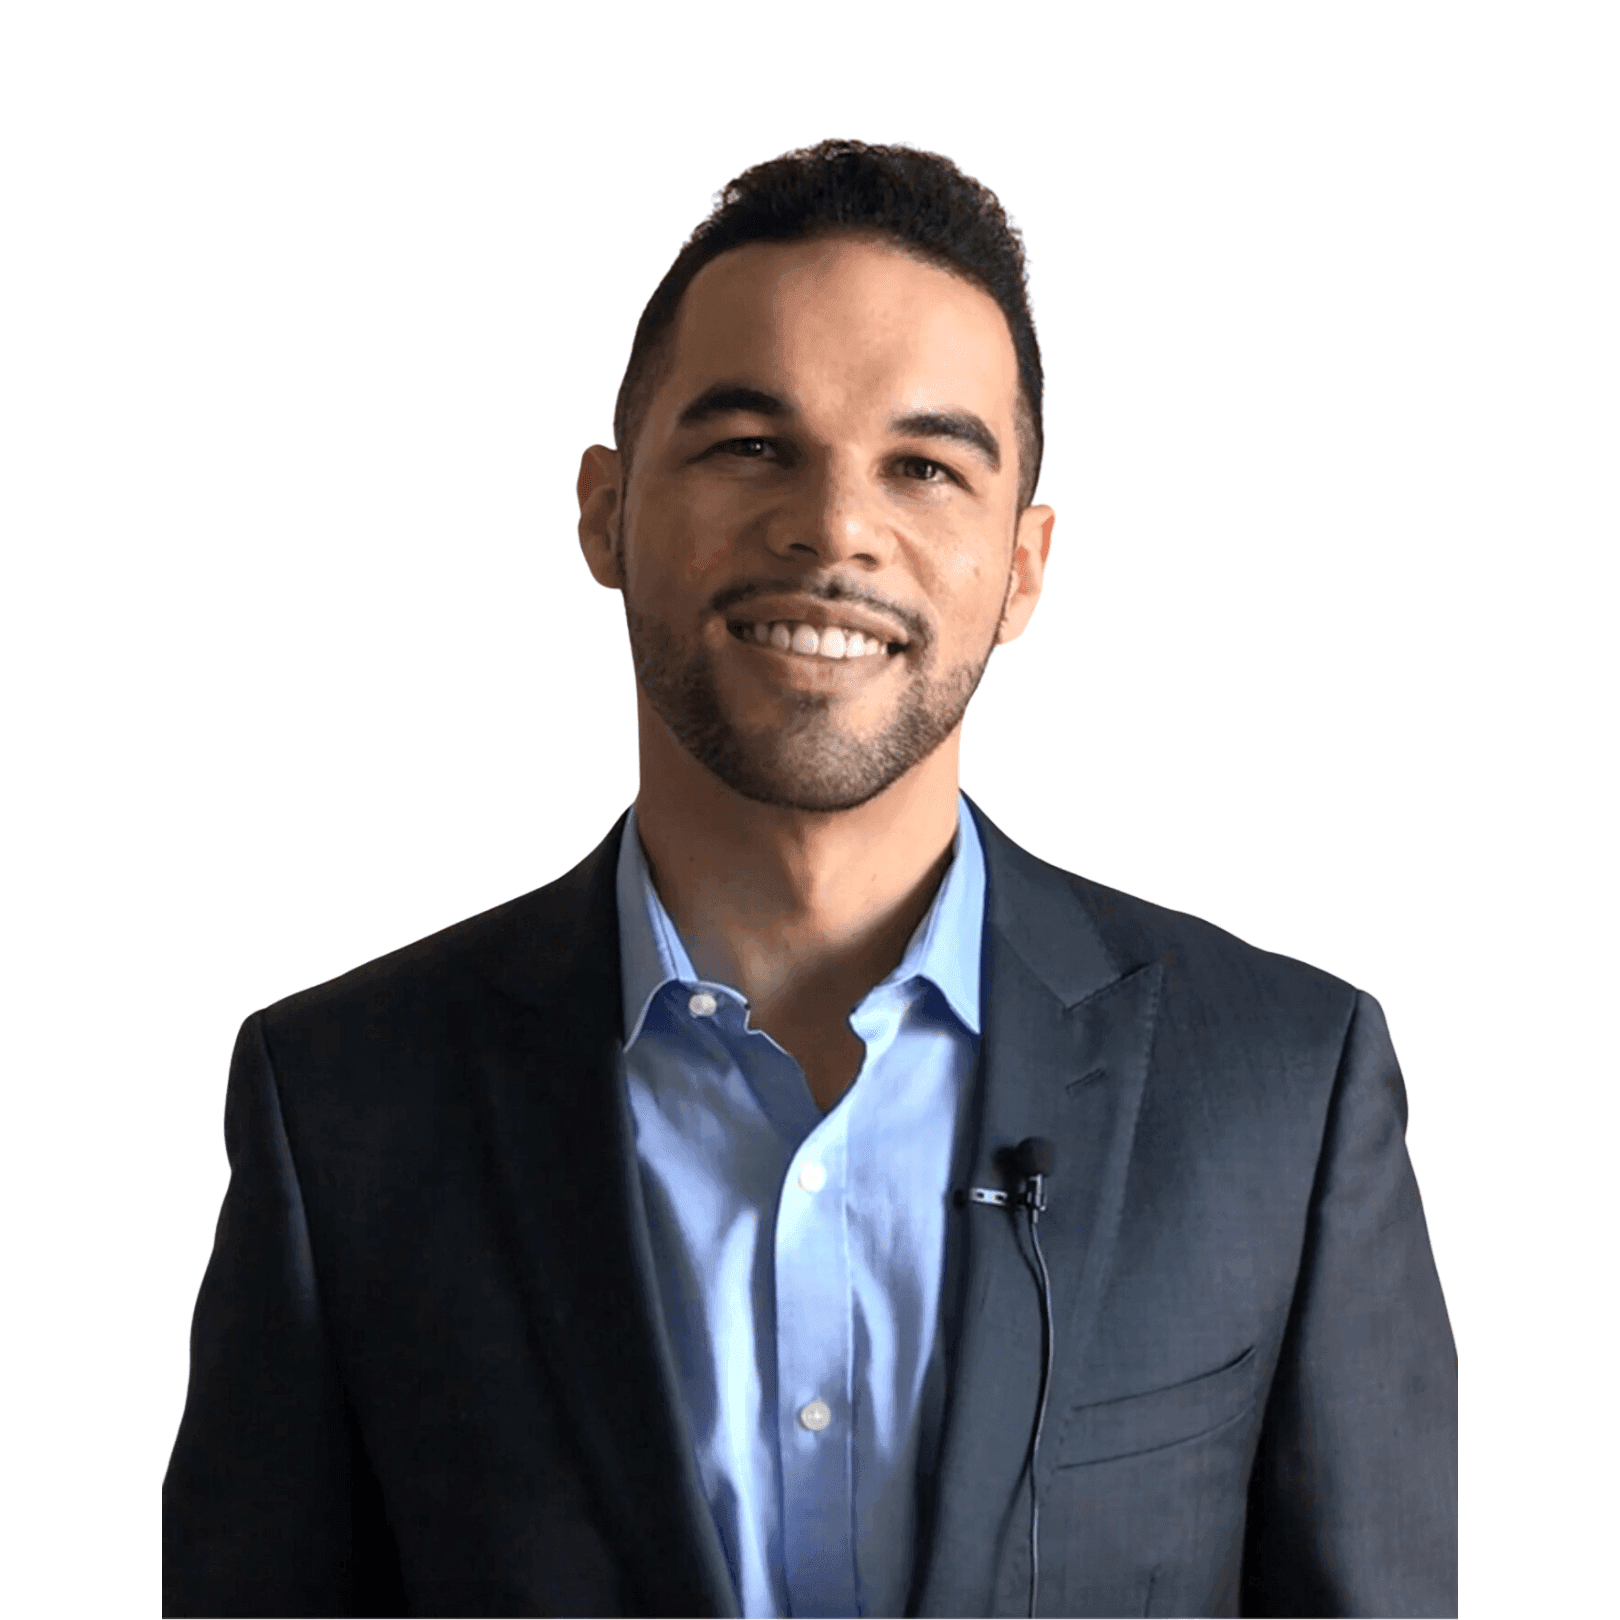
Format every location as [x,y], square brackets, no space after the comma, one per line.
[811,641]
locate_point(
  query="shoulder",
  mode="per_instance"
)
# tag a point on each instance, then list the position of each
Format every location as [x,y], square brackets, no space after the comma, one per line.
[1214,984]
[516,950]
[1226,1000]
[1203,955]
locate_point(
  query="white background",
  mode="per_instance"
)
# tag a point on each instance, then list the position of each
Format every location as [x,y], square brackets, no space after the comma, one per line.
[306,314]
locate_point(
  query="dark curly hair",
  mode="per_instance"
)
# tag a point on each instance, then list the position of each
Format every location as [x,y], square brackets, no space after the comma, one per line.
[919,201]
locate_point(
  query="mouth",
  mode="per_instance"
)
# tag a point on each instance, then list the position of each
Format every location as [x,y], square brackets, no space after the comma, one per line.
[831,642]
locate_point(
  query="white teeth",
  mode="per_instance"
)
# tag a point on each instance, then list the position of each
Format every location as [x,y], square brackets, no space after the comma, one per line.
[808,641]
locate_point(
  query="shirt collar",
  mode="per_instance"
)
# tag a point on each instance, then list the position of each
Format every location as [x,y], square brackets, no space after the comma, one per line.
[944,949]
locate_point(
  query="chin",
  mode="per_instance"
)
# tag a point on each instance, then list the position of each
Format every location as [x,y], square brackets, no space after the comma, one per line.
[812,795]
[811,766]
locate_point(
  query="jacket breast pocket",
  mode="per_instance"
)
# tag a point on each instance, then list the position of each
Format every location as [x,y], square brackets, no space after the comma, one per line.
[1157,1418]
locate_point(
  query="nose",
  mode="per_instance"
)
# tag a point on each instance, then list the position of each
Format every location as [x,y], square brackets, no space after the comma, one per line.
[832,517]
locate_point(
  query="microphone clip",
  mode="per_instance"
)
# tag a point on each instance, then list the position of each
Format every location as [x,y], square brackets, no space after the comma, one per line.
[1030,1194]
[1027,1167]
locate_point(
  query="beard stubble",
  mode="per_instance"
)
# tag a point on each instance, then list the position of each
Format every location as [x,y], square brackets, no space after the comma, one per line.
[808,762]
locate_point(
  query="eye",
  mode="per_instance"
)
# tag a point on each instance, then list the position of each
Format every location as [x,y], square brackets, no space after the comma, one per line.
[925,471]
[751,447]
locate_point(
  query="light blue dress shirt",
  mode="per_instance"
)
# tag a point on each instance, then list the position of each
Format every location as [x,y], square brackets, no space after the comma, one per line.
[801,1255]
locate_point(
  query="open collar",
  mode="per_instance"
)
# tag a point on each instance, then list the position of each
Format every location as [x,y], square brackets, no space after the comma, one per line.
[944,948]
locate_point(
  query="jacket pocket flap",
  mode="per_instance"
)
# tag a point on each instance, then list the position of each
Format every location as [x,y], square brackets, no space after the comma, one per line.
[1158,1417]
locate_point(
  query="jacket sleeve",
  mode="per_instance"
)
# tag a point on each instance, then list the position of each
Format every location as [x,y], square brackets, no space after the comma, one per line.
[1353,1500]
[265,1503]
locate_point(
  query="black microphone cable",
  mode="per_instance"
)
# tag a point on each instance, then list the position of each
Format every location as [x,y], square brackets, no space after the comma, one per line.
[1034,1161]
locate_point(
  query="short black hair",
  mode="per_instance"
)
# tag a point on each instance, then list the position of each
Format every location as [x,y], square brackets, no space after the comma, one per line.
[919,201]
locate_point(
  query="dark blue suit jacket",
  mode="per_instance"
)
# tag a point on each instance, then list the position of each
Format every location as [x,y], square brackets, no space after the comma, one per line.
[429,1371]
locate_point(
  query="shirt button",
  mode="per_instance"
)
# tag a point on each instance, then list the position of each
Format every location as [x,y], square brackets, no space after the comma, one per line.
[812,1177]
[815,1416]
[701,1004]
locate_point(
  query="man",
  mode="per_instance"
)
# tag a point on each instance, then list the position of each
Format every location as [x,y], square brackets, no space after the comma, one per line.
[781,1210]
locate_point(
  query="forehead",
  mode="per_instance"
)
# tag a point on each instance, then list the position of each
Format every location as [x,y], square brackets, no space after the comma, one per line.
[839,322]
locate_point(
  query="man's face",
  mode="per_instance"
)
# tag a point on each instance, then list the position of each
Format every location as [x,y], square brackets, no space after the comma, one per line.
[819,544]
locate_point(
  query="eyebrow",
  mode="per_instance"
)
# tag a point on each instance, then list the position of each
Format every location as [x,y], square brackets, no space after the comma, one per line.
[725,398]
[962,426]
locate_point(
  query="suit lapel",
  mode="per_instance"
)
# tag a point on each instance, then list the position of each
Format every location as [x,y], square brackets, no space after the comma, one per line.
[1067,1034]
[562,1147]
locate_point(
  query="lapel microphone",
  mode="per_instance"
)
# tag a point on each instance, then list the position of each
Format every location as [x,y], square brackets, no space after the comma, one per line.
[1031,1163]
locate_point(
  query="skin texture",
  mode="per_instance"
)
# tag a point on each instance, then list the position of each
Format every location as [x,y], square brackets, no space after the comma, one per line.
[797,812]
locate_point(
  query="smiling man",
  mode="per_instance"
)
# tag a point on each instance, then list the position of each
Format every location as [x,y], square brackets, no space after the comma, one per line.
[814,1204]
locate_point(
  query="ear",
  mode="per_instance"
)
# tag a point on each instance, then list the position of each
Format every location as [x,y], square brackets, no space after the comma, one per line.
[598,490]
[1034,540]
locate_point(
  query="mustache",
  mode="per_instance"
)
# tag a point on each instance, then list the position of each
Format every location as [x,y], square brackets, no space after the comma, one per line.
[826,590]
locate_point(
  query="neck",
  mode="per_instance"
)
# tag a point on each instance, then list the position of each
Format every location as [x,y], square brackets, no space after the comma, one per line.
[797,909]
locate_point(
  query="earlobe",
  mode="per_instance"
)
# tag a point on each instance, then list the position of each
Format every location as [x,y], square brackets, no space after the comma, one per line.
[1034,541]
[599,514]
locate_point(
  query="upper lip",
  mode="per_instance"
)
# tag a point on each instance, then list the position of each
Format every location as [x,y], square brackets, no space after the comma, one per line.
[791,609]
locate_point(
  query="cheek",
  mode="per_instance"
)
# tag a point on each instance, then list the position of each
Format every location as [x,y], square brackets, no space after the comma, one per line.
[967,582]
[706,547]
[678,544]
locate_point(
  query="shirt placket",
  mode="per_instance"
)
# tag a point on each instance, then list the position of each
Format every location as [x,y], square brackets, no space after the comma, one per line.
[815,1358]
